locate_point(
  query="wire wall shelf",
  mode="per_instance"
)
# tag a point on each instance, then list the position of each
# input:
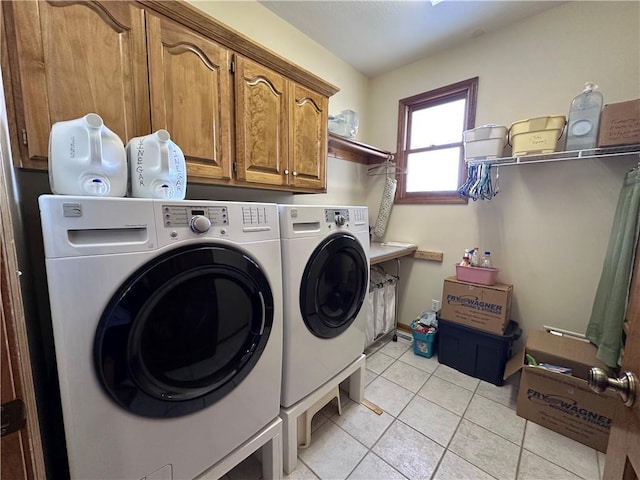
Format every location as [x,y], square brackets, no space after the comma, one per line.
[561,156]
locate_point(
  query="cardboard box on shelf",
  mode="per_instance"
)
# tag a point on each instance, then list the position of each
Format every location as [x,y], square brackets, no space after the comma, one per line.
[620,124]
[561,402]
[485,307]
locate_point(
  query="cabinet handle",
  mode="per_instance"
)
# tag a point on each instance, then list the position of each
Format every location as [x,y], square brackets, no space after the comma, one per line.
[286,172]
[295,174]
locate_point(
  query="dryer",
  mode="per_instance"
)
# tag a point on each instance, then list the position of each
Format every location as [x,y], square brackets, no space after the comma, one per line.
[167,321]
[325,265]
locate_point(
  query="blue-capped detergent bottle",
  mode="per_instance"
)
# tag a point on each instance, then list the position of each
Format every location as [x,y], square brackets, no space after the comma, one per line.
[584,119]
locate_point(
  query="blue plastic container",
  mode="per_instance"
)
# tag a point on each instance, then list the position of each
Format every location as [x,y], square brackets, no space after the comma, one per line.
[424,344]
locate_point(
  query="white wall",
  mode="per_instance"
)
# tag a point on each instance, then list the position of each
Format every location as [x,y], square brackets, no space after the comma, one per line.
[346,185]
[346,181]
[549,226]
[263,26]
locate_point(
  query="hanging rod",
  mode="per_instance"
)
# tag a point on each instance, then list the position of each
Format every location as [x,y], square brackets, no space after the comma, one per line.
[389,163]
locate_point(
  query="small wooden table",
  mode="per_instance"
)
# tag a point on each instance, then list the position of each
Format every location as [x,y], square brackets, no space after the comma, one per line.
[381,252]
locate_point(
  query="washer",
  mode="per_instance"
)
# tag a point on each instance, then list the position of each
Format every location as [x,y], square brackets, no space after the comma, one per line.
[325,264]
[167,321]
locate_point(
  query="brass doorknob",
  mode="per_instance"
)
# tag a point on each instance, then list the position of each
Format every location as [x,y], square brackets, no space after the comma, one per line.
[625,385]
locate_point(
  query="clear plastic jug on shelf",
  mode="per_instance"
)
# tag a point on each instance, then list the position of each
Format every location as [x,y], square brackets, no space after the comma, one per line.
[344,124]
[158,168]
[584,119]
[86,158]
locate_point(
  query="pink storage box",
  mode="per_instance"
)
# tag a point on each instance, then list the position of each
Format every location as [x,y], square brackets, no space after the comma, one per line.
[483,276]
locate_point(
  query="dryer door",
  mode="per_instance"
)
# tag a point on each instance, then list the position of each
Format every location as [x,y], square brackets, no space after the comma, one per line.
[334,285]
[183,330]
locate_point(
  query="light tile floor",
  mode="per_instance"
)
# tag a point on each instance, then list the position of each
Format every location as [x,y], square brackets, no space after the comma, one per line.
[437,424]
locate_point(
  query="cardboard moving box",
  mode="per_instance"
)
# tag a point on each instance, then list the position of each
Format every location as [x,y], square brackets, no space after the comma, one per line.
[561,402]
[620,124]
[485,307]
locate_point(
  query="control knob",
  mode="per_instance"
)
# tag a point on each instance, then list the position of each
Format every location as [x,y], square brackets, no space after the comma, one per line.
[199,224]
[340,220]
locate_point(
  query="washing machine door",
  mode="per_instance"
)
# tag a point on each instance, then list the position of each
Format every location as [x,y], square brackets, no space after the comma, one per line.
[334,285]
[183,330]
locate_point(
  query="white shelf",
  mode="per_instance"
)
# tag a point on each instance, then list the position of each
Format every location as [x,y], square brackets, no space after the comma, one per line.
[561,156]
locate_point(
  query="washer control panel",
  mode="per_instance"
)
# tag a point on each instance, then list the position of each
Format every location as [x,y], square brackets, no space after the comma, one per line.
[339,216]
[197,218]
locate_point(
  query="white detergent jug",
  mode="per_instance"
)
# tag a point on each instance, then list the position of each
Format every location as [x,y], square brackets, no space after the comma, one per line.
[158,168]
[86,158]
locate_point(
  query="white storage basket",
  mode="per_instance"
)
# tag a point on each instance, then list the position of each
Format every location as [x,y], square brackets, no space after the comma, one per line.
[487,141]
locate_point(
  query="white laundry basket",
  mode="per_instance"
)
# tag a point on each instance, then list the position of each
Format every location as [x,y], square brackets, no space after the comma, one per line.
[381,304]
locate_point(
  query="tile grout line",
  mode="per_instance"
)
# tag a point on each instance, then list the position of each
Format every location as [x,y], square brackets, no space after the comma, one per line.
[397,417]
[394,417]
[520,446]
[415,394]
[488,429]
[446,448]
[377,375]
[454,434]
[370,450]
[553,463]
[524,433]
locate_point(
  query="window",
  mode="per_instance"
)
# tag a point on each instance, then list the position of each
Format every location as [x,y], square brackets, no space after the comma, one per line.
[430,149]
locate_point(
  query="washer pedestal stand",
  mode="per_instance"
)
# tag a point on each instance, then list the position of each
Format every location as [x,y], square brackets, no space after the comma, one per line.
[355,374]
[269,439]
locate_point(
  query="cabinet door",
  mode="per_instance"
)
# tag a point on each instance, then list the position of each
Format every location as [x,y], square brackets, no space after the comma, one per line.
[190,96]
[261,124]
[71,58]
[308,138]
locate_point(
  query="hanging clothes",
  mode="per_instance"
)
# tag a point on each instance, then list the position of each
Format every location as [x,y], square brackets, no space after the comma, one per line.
[388,196]
[478,185]
[386,204]
[611,299]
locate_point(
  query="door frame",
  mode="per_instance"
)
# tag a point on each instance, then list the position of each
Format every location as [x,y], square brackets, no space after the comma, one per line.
[22,450]
[623,450]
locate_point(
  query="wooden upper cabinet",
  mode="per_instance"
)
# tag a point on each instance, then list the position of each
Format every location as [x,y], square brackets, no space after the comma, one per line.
[281,129]
[261,123]
[307,138]
[190,86]
[144,66]
[71,58]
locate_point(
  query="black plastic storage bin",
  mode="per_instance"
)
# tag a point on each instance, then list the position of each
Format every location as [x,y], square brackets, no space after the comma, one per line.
[476,352]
